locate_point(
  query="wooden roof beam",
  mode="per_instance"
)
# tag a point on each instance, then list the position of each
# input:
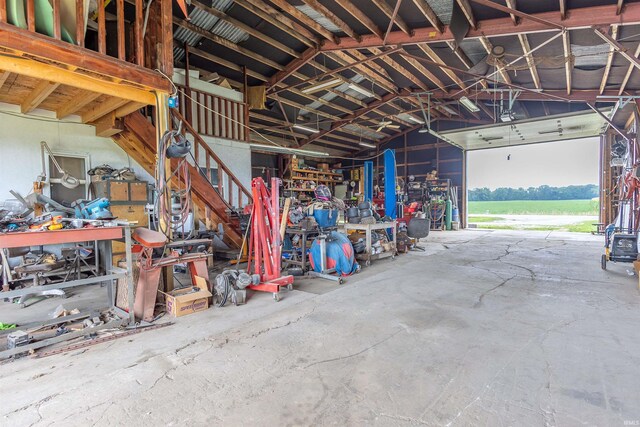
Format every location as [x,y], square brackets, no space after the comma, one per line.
[323,10]
[568,65]
[468,12]
[511,4]
[362,17]
[489,47]
[371,64]
[425,72]
[292,67]
[578,18]
[3,77]
[563,9]
[38,94]
[428,13]
[619,6]
[263,10]
[102,109]
[76,103]
[248,29]
[526,48]
[406,73]
[397,19]
[344,59]
[434,57]
[294,12]
[612,52]
[634,62]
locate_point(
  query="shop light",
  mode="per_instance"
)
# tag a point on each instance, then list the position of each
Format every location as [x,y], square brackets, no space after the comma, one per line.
[287,150]
[469,104]
[306,129]
[322,86]
[366,144]
[416,120]
[361,90]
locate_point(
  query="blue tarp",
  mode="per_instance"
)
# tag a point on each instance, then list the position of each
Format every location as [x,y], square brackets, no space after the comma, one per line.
[340,255]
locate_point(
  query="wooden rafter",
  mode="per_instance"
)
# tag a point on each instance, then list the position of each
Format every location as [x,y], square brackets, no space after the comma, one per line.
[38,94]
[425,72]
[226,63]
[468,12]
[397,66]
[568,65]
[3,77]
[511,4]
[226,43]
[344,59]
[434,57]
[524,42]
[397,19]
[619,6]
[294,12]
[292,67]
[280,21]
[627,76]
[103,109]
[327,13]
[76,103]
[612,52]
[371,64]
[428,13]
[246,28]
[361,17]
[563,9]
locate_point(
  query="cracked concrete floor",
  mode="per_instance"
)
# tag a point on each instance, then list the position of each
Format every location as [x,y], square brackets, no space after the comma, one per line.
[486,327]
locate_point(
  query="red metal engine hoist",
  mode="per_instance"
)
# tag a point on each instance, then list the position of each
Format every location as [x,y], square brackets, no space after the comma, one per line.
[265,243]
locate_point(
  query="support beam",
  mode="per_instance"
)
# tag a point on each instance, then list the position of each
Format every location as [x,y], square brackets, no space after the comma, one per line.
[292,67]
[291,10]
[526,48]
[511,11]
[468,12]
[511,4]
[428,13]
[612,51]
[577,19]
[226,63]
[634,62]
[425,72]
[568,65]
[363,18]
[103,109]
[563,9]
[346,60]
[372,64]
[76,103]
[504,74]
[435,58]
[38,95]
[396,19]
[3,77]
[246,28]
[620,6]
[405,72]
[322,9]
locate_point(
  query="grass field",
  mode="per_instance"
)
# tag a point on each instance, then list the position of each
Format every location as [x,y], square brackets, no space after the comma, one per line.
[535,207]
[580,227]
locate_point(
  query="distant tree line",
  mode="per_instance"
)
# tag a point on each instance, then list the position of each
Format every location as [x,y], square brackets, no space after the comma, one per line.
[544,192]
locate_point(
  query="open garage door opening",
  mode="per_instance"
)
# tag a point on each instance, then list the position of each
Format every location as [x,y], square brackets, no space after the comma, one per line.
[546,186]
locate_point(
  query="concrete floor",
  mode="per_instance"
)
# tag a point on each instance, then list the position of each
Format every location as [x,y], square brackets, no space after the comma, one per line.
[485,328]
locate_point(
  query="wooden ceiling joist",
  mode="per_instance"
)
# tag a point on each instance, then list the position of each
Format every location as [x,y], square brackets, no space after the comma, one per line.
[627,76]
[468,13]
[280,21]
[344,60]
[397,19]
[425,72]
[297,14]
[102,109]
[394,64]
[563,9]
[431,54]
[488,47]
[612,52]
[246,28]
[226,43]
[4,75]
[428,13]
[327,13]
[225,63]
[76,103]
[371,64]
[619,6]
[39,93]
[526,48]
[511,4]
[361,17]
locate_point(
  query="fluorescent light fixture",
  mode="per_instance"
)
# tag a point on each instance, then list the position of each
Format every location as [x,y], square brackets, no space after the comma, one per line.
[322,85]
[366,144]
[287,150]
[416,120]
[361,90]
[423,130]
[306,129]
[469,104]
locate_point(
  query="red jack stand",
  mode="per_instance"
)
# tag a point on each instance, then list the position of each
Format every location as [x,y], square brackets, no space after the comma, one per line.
[265,245]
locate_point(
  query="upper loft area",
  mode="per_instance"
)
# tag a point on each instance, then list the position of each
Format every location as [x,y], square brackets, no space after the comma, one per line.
[89,58]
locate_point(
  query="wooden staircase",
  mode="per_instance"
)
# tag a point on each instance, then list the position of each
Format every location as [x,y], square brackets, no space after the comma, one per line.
[138,139]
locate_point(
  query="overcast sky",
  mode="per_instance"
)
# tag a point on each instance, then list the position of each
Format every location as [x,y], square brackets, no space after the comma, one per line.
[557,164]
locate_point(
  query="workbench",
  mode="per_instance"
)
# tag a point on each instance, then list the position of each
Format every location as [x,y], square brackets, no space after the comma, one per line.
[304,246]
[102,237]
[368,256]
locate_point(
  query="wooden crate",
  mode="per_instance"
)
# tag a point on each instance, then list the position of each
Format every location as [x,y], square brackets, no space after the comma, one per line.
[121,191]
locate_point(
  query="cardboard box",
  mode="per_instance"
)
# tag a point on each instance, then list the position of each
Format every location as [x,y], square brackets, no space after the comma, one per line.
[323,167]
[185,301]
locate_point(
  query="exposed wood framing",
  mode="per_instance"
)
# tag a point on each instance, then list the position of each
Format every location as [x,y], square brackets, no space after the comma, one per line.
[489,47]
[612,52]
[3,77]
[511,4]
[291,10]
[563,9]
[434,57]
[428,13]
[619,6]
[568,66]
[41,92]
[320,8]
[362,17]
[371,64]
[103,109]
[344,59]
[627,76]
[394,64]
[397,19]
[425,72]
[246,28]
[76,103]
[468,12]
[524,42]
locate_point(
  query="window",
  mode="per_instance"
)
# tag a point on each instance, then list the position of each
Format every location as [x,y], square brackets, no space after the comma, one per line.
[74,166]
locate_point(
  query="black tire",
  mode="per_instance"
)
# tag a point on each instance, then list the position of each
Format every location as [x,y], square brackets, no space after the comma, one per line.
[352,212]
[364,213]
[603,262]
[364,205]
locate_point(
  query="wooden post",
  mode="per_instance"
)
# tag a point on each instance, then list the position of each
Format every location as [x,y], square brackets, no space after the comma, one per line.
[57,26]
[139,23]
[188,104]
[246,104]
[3,10]
[80,22]
[120,26]
[162,126]
[463,191]
[102,28]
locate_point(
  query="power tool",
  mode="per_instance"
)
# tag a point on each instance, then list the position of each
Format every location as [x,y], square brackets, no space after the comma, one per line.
[94,209]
